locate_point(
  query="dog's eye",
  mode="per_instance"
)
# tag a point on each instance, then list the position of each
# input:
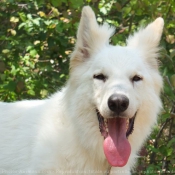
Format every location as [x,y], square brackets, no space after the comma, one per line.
[137,78]
[100,77]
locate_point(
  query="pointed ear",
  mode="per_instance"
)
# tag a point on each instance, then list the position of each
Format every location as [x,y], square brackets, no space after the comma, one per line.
[90,37]
[147,41]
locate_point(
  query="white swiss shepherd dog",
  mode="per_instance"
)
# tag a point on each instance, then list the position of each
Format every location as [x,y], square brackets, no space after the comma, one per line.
[102,116]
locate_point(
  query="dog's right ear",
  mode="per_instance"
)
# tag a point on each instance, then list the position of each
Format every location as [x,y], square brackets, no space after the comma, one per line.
[90,37]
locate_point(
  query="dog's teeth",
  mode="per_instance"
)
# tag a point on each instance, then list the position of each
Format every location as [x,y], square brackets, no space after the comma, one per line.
[127,124]
[106,124]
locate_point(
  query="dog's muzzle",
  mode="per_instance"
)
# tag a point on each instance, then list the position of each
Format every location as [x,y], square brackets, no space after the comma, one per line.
[116,129]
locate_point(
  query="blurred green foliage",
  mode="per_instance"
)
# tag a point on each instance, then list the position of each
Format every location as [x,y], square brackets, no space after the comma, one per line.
[37,37]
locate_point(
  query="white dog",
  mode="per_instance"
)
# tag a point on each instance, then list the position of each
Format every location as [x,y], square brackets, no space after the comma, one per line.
[102,116]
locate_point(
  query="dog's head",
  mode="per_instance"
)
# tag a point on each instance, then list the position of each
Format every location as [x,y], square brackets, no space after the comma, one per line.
[122,81]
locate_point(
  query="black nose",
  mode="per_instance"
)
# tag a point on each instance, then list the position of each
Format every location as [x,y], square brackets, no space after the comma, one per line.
[118,103]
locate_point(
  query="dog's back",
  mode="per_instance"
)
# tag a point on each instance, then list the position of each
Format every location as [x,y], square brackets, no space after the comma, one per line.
[26,128]
[18,132]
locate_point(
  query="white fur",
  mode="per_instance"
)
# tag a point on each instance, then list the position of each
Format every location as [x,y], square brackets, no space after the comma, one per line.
[60,135]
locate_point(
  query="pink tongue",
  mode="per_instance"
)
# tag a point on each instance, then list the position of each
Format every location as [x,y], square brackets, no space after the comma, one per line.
[116,146]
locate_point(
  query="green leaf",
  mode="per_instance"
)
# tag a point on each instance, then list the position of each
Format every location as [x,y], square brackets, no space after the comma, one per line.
[29,16]
[48,22]
[33,52]
[62,75]
[55,12]
[36,21]
[169,151]
[56,3]
[172,54]
[22,16]
[31,92]
[173,80]
[21,25]
[29,47]
[14,70]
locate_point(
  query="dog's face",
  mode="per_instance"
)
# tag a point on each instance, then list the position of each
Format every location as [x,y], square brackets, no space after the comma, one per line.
[122,80]
[118,81]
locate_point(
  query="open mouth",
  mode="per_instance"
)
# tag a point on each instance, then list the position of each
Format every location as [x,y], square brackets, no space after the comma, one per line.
[115,131]
[103,125]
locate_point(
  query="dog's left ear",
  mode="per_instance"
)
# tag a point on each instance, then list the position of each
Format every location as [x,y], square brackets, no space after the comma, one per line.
[147,41]
[90,37]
